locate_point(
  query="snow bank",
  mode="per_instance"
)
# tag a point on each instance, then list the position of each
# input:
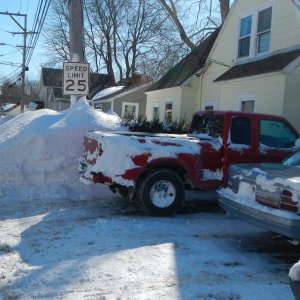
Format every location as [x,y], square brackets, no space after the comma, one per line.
[40,149]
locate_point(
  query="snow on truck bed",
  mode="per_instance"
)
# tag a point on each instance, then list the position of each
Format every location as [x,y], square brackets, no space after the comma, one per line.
[40,149]
[118,149]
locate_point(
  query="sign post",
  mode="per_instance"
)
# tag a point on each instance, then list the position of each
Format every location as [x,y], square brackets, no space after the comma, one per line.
[76,78]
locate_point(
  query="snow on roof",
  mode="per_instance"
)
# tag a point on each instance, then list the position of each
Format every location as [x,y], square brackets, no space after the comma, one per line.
[7,106]
[40,149]
[107,91]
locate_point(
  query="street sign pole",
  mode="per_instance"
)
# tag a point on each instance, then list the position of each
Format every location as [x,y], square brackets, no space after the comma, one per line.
[76,35]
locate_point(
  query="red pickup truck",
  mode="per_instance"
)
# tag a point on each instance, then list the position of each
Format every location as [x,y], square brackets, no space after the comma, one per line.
[156,169]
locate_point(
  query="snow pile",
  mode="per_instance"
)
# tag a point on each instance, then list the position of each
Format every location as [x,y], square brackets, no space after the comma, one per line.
[40,152]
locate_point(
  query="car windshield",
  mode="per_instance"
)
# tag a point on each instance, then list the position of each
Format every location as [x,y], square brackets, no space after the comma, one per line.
[207,125]
[293,160]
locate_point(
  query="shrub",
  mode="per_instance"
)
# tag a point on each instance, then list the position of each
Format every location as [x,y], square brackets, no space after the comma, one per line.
[156,126]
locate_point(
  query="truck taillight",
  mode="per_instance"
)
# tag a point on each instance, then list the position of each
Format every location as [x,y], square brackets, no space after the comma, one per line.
[287,203]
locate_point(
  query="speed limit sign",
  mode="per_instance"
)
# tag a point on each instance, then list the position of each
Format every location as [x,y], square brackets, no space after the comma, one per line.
[75,78]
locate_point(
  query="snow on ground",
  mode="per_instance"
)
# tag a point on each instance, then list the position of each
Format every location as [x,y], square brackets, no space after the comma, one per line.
[58,241]
[79,249]
[40,149]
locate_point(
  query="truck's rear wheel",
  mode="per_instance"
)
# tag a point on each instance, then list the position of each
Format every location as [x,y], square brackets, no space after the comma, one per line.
[161,192]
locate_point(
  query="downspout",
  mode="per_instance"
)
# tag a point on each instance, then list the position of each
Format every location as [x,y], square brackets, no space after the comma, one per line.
[201,74]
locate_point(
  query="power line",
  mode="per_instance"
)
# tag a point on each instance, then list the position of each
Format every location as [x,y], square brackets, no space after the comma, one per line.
[39,20]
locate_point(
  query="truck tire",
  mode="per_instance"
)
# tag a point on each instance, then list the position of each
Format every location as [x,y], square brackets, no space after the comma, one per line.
[161,193]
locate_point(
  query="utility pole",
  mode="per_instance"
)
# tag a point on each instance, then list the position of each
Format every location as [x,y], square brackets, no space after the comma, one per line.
[76,34]
[24,32]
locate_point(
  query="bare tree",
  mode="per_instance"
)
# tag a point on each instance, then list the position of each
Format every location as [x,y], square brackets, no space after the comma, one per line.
[126,36]
[205,22]
[13,91]
[56,33]
[172,12]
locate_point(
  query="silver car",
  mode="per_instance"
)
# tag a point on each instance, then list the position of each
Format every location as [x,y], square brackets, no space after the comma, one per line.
[266,195]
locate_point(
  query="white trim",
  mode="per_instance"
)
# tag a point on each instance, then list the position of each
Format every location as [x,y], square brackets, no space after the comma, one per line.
[247,97]
[254,12]
[132,104]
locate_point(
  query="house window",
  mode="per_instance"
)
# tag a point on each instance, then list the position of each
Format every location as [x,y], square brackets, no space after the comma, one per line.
[168,112]
[247,103]
[247,106]
[209,105]
[245,36]
[255,32]
[155,111]
[264,30]
[130,110]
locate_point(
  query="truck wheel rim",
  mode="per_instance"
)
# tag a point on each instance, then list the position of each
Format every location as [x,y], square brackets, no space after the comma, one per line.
[163,194]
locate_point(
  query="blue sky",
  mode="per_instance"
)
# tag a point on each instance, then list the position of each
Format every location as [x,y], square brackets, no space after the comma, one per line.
[11,54]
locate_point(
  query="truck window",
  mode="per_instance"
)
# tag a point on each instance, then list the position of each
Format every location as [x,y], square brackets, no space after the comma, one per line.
[207,125]
[276,134]
[240,130]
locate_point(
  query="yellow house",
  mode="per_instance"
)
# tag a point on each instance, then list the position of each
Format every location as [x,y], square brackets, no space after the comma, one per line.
[254,64]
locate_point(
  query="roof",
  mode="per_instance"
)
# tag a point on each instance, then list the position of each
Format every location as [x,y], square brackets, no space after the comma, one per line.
[112,90]
[188,66]
[6,107]
[267,65]
[53,78]
[121,91]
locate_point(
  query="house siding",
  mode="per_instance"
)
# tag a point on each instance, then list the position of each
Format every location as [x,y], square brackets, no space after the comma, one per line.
[189,107]
[268,90]
[292,98]
[138,97]
[161,97]
[106,106]
[285,26]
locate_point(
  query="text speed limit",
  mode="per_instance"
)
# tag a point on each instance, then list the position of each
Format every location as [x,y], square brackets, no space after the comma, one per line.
[75,78]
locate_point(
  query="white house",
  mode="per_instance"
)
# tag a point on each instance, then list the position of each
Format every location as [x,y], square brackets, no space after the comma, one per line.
[253,65]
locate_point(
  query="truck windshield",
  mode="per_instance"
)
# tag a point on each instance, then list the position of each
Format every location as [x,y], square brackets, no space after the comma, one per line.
[207,126]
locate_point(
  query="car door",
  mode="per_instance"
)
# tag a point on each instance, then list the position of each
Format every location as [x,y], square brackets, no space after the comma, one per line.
[240,146]
[275,139]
